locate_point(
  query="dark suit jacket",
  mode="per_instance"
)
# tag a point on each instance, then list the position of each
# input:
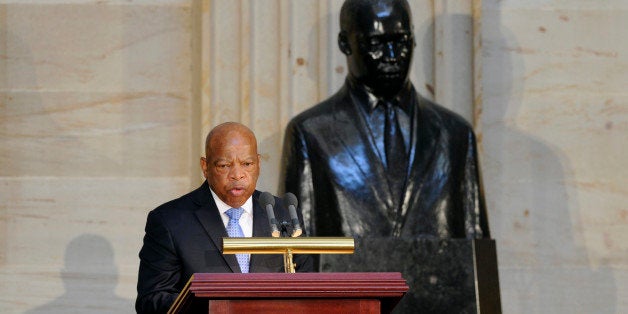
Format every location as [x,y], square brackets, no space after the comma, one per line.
[184,236]
[330,163]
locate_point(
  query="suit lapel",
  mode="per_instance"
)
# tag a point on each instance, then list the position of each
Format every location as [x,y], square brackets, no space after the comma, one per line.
[359,144]
[425,135]
[211,221]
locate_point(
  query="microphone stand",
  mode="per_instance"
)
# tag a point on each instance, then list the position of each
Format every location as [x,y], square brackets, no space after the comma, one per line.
[282,242]
[283,228]
[289,265]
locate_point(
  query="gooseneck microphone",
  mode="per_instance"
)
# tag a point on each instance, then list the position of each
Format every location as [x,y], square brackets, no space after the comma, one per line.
[268,201]
[292,202]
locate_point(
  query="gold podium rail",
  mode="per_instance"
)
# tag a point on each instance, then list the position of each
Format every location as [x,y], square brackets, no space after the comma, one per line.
[288,247]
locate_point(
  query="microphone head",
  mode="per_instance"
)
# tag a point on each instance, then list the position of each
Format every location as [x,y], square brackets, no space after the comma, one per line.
[267,199]
[291,199]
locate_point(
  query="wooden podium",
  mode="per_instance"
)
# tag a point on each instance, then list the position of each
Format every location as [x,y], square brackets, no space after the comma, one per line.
[291,293]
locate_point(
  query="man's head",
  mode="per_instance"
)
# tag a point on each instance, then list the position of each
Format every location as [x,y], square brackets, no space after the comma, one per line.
[231,162]
[376,36]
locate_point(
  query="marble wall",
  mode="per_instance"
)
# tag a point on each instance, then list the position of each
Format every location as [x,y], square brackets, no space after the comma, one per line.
[554,128]
[96,128]
[104,106]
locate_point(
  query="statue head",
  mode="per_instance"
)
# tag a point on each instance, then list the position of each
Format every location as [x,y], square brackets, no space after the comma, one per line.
[376,36]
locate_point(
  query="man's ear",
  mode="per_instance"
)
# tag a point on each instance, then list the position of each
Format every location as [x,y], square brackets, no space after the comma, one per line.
[343,43]
[204,166]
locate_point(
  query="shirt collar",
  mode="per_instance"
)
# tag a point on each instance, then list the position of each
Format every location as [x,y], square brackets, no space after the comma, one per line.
[369,101]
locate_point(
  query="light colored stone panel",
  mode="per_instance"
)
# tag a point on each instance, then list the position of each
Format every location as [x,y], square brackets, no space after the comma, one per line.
[300,33]
[572,155]
[563,290]
[422,73]
[554,5]
[265,87]
[303,54]
[553,127]
[225,55]
[565,121]
[453,56]
[94,134]
[40,211]
[335,64]
[78,235]
[96,46]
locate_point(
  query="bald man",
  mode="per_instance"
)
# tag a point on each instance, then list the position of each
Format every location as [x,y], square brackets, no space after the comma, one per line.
[184,236]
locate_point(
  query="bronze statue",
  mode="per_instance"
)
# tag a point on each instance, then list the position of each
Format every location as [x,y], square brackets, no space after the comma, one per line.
[377,159]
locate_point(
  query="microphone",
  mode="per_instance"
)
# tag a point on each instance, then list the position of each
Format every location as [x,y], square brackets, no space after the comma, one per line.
[268,201]
[292,208]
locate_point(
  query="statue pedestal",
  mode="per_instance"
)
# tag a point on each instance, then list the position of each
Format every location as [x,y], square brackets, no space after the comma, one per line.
[444,275]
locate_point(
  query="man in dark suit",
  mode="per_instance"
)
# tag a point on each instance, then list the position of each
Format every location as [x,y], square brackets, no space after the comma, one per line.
[184,236]
[377,159]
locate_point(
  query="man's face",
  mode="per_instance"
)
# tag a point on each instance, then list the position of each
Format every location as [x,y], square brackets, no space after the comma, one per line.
[232,167]
[381,44]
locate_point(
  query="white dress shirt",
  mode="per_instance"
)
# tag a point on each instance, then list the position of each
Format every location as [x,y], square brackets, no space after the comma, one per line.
[246,220]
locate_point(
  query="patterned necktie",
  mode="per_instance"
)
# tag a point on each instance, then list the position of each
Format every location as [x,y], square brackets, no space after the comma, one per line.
[234,230]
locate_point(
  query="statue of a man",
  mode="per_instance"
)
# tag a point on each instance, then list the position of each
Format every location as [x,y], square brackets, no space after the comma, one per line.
[377,159]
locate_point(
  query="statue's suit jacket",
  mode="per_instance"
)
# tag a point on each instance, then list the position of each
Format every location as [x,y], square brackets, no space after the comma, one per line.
[331,164]
[184,236]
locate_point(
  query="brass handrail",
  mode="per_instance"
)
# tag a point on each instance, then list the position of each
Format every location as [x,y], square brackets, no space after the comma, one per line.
[288,247]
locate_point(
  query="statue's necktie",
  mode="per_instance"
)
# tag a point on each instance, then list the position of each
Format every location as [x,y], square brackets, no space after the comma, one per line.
[394,146]
[234,230]
[396,158]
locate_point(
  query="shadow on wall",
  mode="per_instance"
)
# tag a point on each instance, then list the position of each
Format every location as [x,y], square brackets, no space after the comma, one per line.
[533,208]
[90,278]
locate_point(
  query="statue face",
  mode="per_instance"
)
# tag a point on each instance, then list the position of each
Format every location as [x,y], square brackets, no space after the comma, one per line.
[378,42]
